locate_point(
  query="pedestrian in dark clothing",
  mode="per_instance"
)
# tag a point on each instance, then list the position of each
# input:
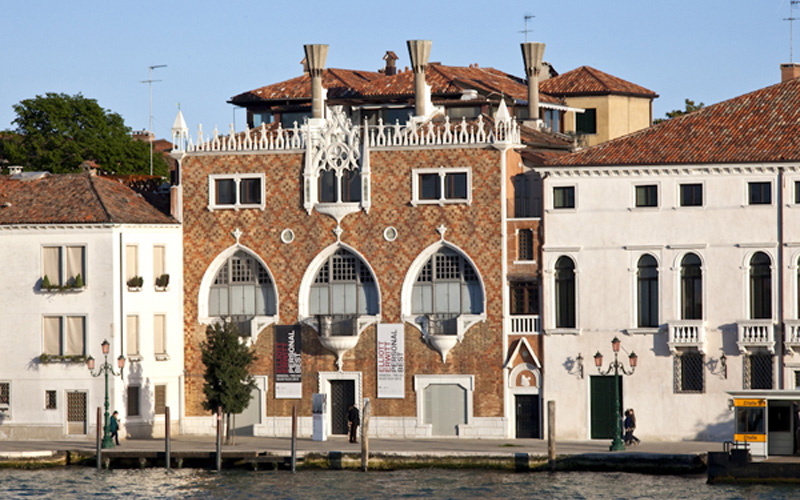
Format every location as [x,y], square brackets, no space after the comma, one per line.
[630,426]
[113,427]
[354,419]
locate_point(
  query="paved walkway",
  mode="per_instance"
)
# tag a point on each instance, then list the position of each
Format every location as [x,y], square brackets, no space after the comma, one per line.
[401,447]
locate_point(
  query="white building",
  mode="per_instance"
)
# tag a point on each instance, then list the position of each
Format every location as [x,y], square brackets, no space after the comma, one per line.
[88,236]
[682,240]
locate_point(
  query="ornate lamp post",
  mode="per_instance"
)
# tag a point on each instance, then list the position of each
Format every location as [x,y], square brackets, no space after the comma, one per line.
[105,369]
[617,367]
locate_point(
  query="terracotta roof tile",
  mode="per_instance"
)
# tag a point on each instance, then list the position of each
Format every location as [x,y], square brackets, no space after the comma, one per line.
[73,199]
[338,82]
[762,126]
[589,81]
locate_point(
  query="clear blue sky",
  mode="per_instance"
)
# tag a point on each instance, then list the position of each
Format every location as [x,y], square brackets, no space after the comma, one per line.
[706,50]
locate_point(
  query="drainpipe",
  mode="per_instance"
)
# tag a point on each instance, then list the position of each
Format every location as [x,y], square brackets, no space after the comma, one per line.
[780,340]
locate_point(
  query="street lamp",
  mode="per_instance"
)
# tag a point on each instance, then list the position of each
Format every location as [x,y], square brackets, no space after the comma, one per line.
[105,369]
[617,367]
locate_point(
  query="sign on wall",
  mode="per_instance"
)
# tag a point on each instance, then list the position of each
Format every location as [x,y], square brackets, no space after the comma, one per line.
[391,361]
[288,374]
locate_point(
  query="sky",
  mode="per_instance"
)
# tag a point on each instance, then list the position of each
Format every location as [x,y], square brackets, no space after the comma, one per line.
[704,50]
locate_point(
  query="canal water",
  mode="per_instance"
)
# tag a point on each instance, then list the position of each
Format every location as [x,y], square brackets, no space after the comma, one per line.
[72,483]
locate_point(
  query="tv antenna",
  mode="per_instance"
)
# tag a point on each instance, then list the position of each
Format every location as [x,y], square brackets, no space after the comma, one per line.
[791,20]
[149,82]
[528,16]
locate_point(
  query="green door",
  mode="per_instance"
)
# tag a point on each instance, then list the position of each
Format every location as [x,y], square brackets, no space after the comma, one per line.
[603,413]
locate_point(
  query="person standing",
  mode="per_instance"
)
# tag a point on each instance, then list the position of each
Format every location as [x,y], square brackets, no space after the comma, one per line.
[113,426]
[354,419]
[630,426]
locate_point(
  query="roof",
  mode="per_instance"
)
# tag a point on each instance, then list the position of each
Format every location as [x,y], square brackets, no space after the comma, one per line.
[73,199]
[762,126]
[338,82]
[589,81]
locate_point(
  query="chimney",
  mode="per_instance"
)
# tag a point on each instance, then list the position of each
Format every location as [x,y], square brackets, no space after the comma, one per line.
[790,71]
[315,58]
[419,51]
[532,53]
[390,69]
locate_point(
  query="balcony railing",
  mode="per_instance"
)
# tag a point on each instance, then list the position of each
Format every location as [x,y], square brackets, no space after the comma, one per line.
[523,325]
[337,325]
[755,333]
[687,333]
[792,334]
[442,324]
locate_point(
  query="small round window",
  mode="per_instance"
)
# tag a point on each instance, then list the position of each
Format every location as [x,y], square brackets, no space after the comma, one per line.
[390,233]
[287,236]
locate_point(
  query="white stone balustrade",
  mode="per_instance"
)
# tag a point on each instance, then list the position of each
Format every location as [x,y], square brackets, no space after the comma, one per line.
[687,333]
[792,341]
[755,333]
[523,325]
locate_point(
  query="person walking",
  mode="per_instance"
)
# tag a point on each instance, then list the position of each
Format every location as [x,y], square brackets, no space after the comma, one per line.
[113,427]
[354,419]
[630,426]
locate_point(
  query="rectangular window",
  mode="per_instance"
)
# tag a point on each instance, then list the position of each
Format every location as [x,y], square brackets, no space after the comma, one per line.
[564,197]
[758,371]
[691,195]
[64,265]
[133,400]
[131,262]
[442,185]
[759,193]
[586,122]
[159,260]
[5,396]
[50,401]
[64,335]
[525,298]
[797,192]
[132,331]
[525,245]
[647,196]
[160,399]
[160,333]
[689,372]
[236,191]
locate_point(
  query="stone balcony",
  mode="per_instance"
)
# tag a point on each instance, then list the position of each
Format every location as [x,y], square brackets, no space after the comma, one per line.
[523,325]
[685,333]
[792,340]
[755,333]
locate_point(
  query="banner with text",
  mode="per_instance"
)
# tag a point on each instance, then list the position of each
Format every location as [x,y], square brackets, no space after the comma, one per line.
[391,361]
[288,375]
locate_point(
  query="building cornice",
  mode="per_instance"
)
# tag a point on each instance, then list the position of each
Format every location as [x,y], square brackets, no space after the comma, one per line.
[667,170]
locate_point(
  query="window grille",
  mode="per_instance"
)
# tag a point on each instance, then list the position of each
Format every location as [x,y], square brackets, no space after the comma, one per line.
[447,267]
[50,400]
[525,242]
[5,395]
[758,371]
[160,399]
[222,276]
[322,275]
[133,401]
[689,373]
[426,273]
[344,267]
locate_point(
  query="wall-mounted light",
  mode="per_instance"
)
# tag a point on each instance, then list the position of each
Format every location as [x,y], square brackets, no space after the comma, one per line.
[579,361]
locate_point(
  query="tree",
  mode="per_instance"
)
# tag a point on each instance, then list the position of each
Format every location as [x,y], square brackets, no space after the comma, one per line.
[690,107]
[228,381]
[58,132]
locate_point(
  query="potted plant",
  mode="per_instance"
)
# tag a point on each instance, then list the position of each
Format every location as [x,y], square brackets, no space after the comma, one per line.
[162,281]
[136,282]
[79,281]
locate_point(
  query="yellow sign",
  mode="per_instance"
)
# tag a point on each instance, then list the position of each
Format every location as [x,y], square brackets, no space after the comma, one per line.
[751,438]
[750,402]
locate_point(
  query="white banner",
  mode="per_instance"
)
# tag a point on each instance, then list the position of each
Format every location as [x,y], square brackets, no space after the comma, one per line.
[391,361]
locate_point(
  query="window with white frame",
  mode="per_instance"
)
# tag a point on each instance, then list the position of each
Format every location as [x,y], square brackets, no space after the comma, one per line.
[132,331]
[5,396]
[236,191]
[647,292]
[159,334]
[160,399]
[563,197]
[565,292]
[691,287]
[691,195]
[133,393]
[344,286]
[64,265]
[50,400]
[160,276]
[647,196]
[525,245]
[447,285]
[132,265]
[64,335]
[758,370]
[760,286]
[689,373]
[759,193]
[441,186]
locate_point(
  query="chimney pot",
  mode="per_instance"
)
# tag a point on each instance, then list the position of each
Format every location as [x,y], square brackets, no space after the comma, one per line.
[315,58]
[532,53]
[419,51]
[790,71]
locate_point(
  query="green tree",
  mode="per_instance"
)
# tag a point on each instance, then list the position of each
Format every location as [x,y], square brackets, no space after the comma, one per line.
[228,380]
[58,132]
[690,106]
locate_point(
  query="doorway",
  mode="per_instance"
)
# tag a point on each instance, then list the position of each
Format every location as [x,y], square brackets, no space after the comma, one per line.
[604,415]
[76,412]
[343,394]
[527,415]
[445,408]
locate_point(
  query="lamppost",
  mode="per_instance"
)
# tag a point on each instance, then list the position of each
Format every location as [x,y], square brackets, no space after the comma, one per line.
[105,369]
[617,367]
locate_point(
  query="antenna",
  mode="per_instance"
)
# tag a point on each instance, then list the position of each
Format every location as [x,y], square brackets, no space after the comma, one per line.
[149,82]
[528,16]
[791,20]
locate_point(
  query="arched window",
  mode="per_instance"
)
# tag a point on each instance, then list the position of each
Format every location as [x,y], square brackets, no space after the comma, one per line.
[691,287]
[647,292]
[447,285]
[339,185]
[242,290]
[760,286]
[565,293]
[343,286]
